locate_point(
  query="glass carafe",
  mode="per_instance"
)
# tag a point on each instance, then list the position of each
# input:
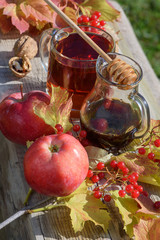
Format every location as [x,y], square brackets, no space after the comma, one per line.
[115,114]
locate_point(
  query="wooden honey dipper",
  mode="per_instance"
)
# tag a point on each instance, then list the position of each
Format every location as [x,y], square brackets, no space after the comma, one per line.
[120,71]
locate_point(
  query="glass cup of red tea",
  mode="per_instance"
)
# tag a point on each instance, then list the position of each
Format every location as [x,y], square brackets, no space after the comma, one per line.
[70,62]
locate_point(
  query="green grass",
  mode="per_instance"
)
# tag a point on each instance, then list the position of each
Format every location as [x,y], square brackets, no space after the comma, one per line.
[144,16]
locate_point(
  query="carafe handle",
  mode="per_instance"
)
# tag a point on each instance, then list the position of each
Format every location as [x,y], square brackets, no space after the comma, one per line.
[145,113]
[44,46]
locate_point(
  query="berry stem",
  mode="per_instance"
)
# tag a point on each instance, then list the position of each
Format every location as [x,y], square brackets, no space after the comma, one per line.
[46,208]
[28,196]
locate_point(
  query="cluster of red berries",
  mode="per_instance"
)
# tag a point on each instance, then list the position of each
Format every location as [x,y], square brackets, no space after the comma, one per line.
[81,134]
[151,154]
[92,21]
[118,174]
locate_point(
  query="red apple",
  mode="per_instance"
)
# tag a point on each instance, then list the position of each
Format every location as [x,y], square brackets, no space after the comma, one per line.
[56,165]
[18,122]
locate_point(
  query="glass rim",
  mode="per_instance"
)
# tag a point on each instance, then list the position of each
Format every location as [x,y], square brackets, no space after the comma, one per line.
[83,60]
[140,72]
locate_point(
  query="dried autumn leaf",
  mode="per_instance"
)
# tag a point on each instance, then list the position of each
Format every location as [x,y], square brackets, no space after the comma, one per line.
[147,230]
[5,23]
[146,208]
[17,20]
[36,12]
[96,155]
[71,13]
[108,13]
[25,14]
[58,111]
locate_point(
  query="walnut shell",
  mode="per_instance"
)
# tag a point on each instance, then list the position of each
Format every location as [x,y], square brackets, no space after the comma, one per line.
[27,46]
[20,66]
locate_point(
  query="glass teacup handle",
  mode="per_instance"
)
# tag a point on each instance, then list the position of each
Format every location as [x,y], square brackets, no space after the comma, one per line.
[145,114]
[44,46]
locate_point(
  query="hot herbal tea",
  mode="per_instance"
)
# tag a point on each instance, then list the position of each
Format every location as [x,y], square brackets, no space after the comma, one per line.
[75,70]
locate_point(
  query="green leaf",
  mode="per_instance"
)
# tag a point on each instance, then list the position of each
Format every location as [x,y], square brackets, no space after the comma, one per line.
[127,208]
[85,207]
[147,169]
[133,210]
[108,13]
[58,111]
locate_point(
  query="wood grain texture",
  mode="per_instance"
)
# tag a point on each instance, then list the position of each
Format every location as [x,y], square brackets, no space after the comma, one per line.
[56,224]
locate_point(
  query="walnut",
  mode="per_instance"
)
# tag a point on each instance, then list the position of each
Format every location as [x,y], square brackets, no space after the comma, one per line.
[20,66]
[27,46]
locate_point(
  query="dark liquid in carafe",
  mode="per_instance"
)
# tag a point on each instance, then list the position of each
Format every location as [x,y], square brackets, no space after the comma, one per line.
[78,77]
[111,127]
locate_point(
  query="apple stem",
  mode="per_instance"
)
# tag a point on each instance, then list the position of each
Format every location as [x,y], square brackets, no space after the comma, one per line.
[21,89]
[46,208]
[54,148]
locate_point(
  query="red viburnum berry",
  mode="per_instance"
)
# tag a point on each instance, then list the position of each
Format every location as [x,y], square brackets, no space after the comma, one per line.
[131,178]
[90,173]
[93,17]
[76,128]
[83,133]
[80,19]
[136,175]
[95,178]
[121,165]
[102,23]
[113,164]
[157,142]
[145,193]
[59,127]
[135,193]
[94,23]
[85,19]
[100,165]
[107,198]
[97,194]
[125,171]
[98,14]
[151,155]
[139,188]
[101,175]
[129,188]
[142,151]
[135,184]
[85,142]
[122,193]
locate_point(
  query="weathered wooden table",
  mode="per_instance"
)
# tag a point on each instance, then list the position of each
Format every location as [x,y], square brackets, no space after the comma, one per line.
[13,187]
